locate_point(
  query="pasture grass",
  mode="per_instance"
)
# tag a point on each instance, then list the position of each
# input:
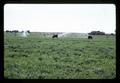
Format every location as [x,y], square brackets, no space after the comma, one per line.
[36,57]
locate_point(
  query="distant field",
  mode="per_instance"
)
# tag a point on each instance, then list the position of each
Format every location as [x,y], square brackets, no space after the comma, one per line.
[42,57]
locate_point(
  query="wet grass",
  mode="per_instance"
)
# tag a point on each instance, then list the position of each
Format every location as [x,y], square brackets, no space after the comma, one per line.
[37,57]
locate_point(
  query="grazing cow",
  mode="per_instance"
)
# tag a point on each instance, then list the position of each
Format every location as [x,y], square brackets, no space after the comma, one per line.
[28,31]
[90,37]
[55,36]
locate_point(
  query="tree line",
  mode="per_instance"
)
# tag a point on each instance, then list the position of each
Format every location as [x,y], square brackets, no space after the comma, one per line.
[99,33]
[91,33]
[16,31]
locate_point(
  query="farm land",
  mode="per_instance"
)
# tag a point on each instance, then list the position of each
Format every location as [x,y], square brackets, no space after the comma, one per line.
[40,56]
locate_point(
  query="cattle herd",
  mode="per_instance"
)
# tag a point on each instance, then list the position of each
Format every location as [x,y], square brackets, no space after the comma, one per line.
[56,36]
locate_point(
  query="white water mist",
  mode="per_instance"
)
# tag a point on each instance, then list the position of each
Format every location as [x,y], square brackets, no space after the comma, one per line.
[63,34]
[24,34]
[74,35]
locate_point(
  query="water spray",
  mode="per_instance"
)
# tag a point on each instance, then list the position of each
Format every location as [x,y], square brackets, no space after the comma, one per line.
[24,34]
[63,34]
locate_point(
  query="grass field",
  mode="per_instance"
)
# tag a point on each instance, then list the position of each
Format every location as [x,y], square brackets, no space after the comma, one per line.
[36,57]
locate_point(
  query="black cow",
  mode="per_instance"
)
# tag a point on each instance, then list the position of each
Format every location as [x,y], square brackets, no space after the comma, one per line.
[90,37]
[55,36]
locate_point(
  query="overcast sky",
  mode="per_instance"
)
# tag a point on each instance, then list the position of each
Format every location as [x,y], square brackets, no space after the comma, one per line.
[60,17]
